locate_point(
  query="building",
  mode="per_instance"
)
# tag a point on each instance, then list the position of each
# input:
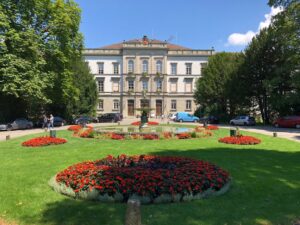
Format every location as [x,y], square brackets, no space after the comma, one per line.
[146,73]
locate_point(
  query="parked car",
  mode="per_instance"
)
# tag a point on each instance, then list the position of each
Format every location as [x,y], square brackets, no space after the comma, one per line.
[186,117]
[85,119]
[20,123]
[110,117]
[243,120]
[288,121]
[209,119]
[172,116]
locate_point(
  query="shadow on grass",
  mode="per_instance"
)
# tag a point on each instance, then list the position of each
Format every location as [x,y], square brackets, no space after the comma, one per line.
[265,190]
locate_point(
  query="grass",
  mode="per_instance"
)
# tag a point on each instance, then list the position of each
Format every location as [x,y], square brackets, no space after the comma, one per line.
[265,190]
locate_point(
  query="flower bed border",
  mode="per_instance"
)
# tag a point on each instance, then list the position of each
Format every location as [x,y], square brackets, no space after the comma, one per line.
[117,198]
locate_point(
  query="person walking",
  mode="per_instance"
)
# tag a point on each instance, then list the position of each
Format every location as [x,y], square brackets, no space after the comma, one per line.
[51,120]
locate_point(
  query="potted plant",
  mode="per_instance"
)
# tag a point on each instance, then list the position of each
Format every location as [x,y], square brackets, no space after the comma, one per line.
[144,74]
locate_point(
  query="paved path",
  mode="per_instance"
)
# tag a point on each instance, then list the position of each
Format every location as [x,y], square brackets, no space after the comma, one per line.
[291,134]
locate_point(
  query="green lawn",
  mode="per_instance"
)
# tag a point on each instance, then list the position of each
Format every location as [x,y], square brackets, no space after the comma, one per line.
[265,189]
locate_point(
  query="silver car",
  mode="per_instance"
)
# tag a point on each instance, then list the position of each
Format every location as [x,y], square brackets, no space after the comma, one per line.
[17,124]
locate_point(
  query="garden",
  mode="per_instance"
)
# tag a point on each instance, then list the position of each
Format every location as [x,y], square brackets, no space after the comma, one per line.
[177,179]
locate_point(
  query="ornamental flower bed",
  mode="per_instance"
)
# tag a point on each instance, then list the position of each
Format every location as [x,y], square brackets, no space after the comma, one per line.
[75,128]
[86,133]
[152,179]
[183,136]
[150,137]
[117,136]
[43,141]
[150,123]
[209,127]
[240,140]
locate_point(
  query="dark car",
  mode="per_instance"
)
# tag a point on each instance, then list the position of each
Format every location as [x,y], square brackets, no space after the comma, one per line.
[85,120]
[17,124]
[288,121]
[110,117]
[57,122]
[209,119]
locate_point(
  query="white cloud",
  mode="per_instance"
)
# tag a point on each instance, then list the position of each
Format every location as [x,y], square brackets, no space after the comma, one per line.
[240,39]
[243,39]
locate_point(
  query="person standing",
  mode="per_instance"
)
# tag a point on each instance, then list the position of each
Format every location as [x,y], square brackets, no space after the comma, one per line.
[45,120]
[51,120]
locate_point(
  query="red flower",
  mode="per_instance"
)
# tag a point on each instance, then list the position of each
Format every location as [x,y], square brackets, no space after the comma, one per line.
[150,137]
[43,141]
[150,123]
[144,175]
[183,135]
[117,136]
[240,140]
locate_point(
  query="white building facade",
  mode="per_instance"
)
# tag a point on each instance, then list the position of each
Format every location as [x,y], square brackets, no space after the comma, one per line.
[146,73]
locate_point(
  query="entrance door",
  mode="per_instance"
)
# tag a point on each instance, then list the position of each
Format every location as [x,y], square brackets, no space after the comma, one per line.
[158,107]
[130,107]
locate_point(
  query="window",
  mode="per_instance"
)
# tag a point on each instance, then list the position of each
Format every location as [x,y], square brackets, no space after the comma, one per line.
[188,105]
[101,68]
[145,66]
[116,85]
[130,66]
[101,85]
[159,85]
[130,85]
[173,85]
[100,105]
[188,85]
[173,68]
[116,104]
[203,66]
[145,85]
[116,68]
[188,70]
[173,105]
[159,66]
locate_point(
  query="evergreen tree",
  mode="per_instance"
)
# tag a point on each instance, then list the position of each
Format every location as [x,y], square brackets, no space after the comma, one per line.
[215,91]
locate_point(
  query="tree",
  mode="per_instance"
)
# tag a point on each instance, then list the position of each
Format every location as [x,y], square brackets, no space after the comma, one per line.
[39,43]
[284,3]
[214,91]
[271,66]
[88,89]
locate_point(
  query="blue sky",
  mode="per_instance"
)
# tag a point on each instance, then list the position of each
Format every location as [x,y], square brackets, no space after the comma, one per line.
[198,24]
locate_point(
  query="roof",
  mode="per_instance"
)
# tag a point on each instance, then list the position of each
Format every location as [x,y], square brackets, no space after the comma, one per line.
[148,41]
